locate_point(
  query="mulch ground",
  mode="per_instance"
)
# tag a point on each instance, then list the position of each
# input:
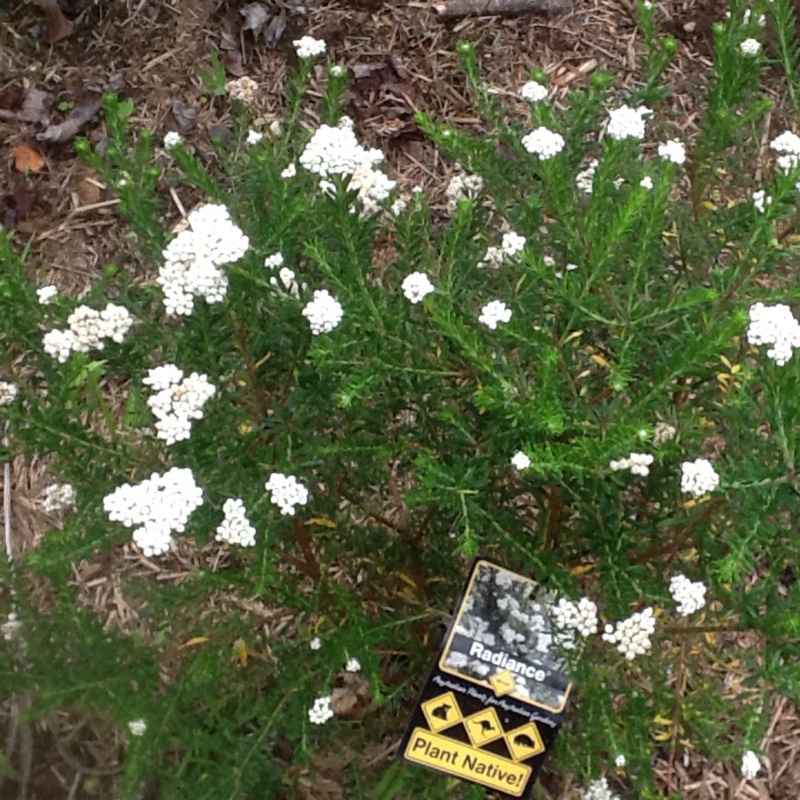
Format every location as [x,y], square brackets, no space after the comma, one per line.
[54,63]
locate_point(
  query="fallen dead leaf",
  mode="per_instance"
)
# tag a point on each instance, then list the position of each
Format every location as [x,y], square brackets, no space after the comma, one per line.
[256,16]
[35,105]
[185,115]
[88,105]
[26,159]
[19,202]
[275,29]
[56,25]
[88,186]
[352,699]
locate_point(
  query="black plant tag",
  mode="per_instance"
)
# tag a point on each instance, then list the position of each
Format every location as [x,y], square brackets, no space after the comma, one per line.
[496,696]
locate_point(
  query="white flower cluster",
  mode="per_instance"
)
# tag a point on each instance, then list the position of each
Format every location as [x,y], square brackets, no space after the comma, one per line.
[620,761]
[673,151]
[321,711]
[533,92]
[646,183]
[632,635]
[690,596]
[8,393]
[599,790]
[160,505]
[243,89]
[750,47]
[750,765]
[193,259]
[637,463]
[520,461]
[512,245]
[287,279]
[286,492]
[178,400]
[334,150]
[762,20]
[543,142]
[416,287]
[324,312]
[137,727]
[172,139]
[87,330]
[461,186]
[46,293]
[584,180]
[254,137]
[698,477]
[274,261]
[627,123]
[663,432]
[309,47]
[760,200]
[315,643]
[580,616]
[776,326]
[787,143]
[236,528]
[289,172]
[352,665]
[59,496]
[493,313]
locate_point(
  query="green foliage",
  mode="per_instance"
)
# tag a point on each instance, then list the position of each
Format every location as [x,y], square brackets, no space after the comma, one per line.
[402,422]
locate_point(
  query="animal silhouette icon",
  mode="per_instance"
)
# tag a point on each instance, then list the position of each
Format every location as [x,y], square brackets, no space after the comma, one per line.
[442,711]
[486,726]
[523,740]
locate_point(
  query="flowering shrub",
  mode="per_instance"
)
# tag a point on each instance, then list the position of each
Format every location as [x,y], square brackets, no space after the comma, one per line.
[600,285]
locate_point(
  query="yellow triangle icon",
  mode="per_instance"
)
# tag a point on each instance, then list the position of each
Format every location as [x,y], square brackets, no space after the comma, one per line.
[503,682]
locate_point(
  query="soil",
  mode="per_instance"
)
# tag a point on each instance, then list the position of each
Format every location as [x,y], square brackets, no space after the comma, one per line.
[402,59]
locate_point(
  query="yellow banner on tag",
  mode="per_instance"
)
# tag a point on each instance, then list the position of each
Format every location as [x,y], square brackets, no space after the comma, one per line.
[463,761]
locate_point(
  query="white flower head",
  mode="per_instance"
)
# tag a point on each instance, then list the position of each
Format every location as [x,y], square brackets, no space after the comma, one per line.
[673,151]
[750,765]
[416,287]
[776,326]
[324,312]
[637,463]
[599,790]
[193,260]
[494,313]
[244,90]
[620,761]
[172,139]
[159,506]
[8,393]
[663,432]
[274,261]
[137,727]
[698,477]
[543,142]
[690,596]
[520,461]
[627,123]
[750,47]
[321,711]
[254,137]
[289,172]
[59,496]
[646,183]
[315,643]
[338,71]
[581,616]
[460,186]
[286,492]
[309,47]
[353,665]
[533,92]
[236,528]
[632,635]
[178,400]
[760,200]
[46,293]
